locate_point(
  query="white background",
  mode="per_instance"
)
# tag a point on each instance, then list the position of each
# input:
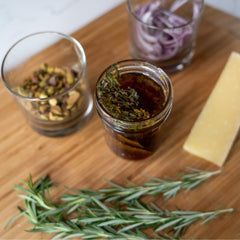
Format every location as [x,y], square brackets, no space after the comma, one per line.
[22,17]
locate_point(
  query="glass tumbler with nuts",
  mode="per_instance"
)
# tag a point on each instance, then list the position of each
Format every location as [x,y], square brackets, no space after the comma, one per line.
[46,74]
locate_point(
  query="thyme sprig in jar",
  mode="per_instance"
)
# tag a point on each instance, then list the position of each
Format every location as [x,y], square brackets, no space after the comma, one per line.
[133,99]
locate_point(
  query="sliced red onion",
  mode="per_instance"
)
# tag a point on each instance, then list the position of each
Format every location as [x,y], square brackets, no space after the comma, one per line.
[164,38]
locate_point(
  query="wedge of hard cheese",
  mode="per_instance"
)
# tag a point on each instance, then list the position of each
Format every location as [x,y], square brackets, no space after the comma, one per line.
[214,131]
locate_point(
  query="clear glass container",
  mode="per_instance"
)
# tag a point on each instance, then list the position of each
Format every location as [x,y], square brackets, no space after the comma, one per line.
[135,139]
[46,74]
[164,32]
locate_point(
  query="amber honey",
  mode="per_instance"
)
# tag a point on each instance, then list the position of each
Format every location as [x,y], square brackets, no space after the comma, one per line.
[151,95]
[129,135]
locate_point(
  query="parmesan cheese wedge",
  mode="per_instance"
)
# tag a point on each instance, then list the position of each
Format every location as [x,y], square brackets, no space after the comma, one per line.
[217,126]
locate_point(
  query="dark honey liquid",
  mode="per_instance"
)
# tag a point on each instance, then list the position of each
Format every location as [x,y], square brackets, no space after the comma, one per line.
[151,94]
[141,143]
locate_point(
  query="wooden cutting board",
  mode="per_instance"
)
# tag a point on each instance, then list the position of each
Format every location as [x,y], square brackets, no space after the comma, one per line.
[83,159]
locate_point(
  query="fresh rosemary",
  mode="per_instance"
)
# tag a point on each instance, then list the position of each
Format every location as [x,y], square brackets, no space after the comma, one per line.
[120,103]
[169,188]
[140,215]
[89,217]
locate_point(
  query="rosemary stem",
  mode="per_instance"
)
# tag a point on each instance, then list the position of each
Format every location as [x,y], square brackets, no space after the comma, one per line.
[205,214]
[209,174]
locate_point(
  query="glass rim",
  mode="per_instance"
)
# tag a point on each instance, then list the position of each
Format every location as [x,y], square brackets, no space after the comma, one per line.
[159,116]
[68,37]
[165,28]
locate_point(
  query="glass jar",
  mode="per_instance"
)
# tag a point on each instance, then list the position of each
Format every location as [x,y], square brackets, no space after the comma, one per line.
[135,139]
[46,74]
[164,32]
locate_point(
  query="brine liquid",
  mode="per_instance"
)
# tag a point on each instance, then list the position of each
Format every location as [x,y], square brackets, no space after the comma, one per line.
[151,95]
[143,142]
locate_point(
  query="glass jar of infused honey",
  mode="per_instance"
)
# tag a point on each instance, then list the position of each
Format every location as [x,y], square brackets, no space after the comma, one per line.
[133,99]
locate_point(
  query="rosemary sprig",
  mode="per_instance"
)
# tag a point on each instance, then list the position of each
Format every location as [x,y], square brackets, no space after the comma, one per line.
[95,220]
[140,215]
[48,217]
[35,201]
[36,191]
[66,228]
[169,189]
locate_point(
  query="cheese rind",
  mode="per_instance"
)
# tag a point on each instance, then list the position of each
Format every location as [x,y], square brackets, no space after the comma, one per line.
[215,129]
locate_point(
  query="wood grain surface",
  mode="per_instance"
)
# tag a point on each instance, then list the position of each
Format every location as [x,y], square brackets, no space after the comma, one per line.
[83,160]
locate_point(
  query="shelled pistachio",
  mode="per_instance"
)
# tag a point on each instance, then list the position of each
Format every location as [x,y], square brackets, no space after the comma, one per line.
[48,82]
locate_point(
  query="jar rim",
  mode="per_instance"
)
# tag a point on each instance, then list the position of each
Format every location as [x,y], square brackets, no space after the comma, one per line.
[143,123]
[68,37]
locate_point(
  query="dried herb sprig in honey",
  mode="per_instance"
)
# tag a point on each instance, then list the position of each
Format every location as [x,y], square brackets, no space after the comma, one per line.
[118,102]
[96,220]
